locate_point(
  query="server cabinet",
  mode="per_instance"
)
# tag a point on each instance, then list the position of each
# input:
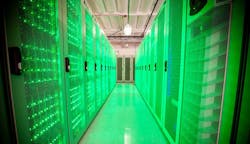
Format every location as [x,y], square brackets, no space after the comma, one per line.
[73,50]
[125,69]
[98,68]
[106,67]
[165,80]
[232,70]
[148,66]
[242,127]
[89,67]
[160,64]
[200,90]
[164,48]
[55,93]
[119,69]
[206,56]
[38,93]
[144,75]
[177,14]
[153,67]
[103,67]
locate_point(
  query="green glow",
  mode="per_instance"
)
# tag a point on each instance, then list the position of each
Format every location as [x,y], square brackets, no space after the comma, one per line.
[234,52]
[98,72]
[130,118]
[206,51]
[41,72]
[100,82]
[76,112]
[59,106]
[192,93]
[182,62]
[90,84]
[244,125]
[154,49]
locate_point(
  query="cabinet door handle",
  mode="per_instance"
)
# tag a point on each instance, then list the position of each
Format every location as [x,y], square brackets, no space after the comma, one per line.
[86,66]
[67,64]
[15,59]
[166,66]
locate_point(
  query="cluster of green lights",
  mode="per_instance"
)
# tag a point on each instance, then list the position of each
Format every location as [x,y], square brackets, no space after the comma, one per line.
[44,129]
[42,71]
[40,16]
[89,34]
[74,34]
[40,68]
[90,97]
[98,92]
[99,81]
[76,80]
[36,64]
[90,87]
[45,124]
[43,119]
[56,139]
[98,71]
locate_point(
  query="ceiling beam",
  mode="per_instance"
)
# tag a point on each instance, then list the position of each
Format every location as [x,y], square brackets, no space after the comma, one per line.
[113,30]
[150,17]
[125,37]
[123,14]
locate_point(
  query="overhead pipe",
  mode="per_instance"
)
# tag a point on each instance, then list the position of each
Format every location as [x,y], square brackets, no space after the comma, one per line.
[150,17]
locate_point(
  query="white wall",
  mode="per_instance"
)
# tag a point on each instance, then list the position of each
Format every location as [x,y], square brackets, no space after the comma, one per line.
[121,52]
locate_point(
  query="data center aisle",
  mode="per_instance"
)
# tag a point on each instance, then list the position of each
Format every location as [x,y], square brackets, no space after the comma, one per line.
[124,119]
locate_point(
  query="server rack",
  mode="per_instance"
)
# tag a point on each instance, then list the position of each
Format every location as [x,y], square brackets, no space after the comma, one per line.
[206,51]
[194,97]
[57,93]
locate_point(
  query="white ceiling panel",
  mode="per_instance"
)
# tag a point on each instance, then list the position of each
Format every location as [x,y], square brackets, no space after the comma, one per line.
[112,15]
[146,6]
[110,5]
[122,6]
[100,6]
[134,4]
[116,22]
[133,21]
[141,21]
[106,22]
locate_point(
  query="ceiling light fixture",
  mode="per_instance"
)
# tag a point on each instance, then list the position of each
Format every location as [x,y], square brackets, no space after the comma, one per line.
[127,27]
[127,30]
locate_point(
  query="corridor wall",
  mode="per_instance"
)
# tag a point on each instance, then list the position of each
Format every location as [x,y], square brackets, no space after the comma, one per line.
[158,61]
[63,82]
[184,70]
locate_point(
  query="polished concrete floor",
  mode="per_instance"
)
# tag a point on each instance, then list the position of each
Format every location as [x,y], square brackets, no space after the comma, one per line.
[124,119]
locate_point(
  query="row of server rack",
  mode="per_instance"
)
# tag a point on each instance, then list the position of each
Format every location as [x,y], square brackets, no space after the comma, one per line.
[63,68]
[187,69]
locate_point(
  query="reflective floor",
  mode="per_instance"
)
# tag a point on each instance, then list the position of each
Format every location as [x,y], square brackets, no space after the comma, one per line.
[124,119]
